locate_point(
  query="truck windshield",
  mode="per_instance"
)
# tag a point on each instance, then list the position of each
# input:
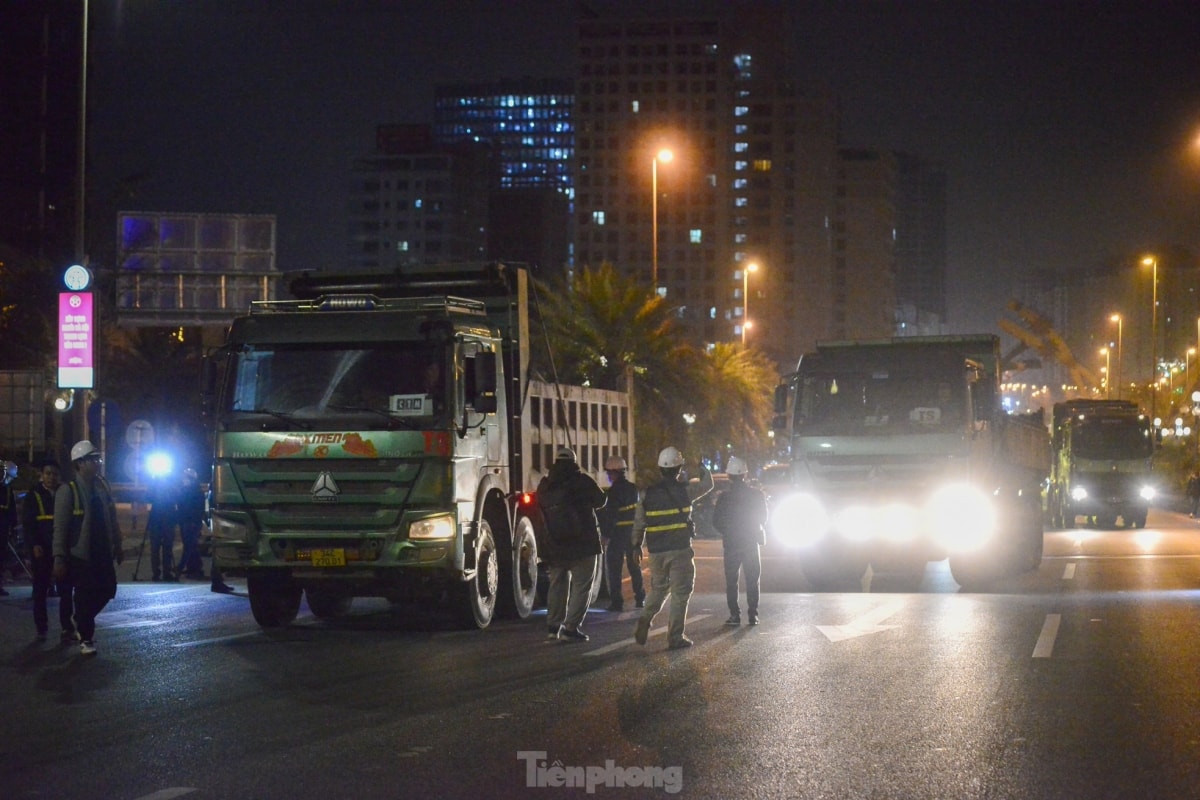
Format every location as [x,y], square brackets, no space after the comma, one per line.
[317,380]
[1112,439]
[880,403]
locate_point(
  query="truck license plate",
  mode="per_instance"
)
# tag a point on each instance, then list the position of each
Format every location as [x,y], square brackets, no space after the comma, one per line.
[329,557]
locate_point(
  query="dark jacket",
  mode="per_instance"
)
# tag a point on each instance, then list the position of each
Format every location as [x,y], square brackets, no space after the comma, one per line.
[740,515]
[37,519]
[664,517]
[163,514]
[190,507]
[568,500]
[616,518]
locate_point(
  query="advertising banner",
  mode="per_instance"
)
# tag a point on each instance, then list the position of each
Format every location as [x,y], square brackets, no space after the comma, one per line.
[75,341]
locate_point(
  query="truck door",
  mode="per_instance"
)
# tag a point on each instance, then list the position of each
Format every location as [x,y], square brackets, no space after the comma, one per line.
[481,425]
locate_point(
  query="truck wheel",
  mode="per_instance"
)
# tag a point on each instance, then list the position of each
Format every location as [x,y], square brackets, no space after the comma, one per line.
[326,604]
[274,599]
[519,572]
[977,571]
[475,599]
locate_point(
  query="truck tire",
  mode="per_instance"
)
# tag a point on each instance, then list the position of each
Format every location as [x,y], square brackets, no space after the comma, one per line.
[519,572]
[326,604]
[973,571]
[274,598]
[475,599]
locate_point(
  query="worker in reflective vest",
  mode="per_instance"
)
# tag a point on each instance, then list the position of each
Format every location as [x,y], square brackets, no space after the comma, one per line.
[664,523]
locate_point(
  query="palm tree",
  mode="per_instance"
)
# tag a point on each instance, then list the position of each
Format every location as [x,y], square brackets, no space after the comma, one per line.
[607,332]
[737,403]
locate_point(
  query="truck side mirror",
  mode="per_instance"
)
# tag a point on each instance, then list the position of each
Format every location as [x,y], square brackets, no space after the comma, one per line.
[484,396]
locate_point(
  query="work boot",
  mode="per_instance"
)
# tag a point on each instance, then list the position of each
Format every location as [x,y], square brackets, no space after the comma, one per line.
[642,630]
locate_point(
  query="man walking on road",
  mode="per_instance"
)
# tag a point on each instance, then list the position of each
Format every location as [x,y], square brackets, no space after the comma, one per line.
[664,522]
[87,540]
[37,520]
[568,499]
[739,517]
[616,527]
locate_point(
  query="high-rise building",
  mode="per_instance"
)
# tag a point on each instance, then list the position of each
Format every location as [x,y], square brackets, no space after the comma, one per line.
[529,124]
[751,178]
[40,56]
[920,246]
[415,201]
[864,245]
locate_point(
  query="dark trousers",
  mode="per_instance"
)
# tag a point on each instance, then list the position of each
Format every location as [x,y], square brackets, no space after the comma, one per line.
[89,602]
[617,556]
[190,562]
[43,581]
[162,545]
[744,557]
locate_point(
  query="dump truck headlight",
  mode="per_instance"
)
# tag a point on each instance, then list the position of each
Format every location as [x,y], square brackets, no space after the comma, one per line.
[799,520]
[439,527]
[962,517]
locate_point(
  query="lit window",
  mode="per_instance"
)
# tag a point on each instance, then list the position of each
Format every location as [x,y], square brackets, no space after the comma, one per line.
[762,165]
[417,203]
[634,106]
[740,147]
[740,183]
[598,217]
[741,111]
[739,202]
[402,246]
[695,236]
[740,166]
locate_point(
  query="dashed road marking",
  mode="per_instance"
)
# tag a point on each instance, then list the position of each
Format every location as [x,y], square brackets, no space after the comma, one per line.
[1045,643]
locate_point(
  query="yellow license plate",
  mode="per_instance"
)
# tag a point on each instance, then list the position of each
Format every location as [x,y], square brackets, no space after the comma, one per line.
[329,557]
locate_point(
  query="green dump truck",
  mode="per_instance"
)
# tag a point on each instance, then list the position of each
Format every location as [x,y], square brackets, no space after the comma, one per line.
[381,435]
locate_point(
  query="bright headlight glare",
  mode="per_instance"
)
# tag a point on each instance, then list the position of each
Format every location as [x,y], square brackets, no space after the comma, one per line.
[962,518]
[799,520]
[857,523]
[439,527]
[898,522]
[1079,493]
[1147,493]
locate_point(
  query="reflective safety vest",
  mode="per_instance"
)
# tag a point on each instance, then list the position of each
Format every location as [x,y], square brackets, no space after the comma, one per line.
[668,512]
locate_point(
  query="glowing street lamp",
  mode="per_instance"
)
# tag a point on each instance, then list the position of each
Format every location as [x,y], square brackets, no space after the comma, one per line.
[751,267]
[663,156]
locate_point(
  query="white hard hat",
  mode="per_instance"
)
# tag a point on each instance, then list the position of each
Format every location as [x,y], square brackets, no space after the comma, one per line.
[670,457]
[615,464]
[736,466]
[564,454]
[82,450]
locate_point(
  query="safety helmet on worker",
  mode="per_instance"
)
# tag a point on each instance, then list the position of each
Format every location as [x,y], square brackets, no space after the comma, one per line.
[615,464]
[736,466]
[82,450]
[565,454]
[670,457]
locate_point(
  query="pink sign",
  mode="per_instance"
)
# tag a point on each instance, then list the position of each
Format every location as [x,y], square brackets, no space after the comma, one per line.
[75,341]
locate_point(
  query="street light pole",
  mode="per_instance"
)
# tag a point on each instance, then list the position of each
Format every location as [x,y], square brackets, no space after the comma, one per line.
[1117,319]
[663,156]
[1152,262]
[751,267]
[1107,373]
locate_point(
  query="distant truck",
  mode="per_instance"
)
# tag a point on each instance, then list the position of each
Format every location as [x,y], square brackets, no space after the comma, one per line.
[1102,468]
[381,435]
[901,454]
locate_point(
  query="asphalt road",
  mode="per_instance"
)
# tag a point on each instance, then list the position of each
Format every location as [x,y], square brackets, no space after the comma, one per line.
[1077,681]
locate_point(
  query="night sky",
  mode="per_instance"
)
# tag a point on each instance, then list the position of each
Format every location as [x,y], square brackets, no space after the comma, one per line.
[1068,130]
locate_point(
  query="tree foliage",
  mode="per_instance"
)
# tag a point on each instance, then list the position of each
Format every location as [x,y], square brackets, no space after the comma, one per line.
[605,331]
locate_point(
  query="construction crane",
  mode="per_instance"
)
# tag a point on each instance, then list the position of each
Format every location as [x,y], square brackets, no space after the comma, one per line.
[1034,331]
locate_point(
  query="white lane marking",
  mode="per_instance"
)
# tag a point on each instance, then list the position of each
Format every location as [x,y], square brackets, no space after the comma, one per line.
[167,794]
[217,639]
[139,623]
[1069,572]
[862,625]
[1045,642]
[608,648]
